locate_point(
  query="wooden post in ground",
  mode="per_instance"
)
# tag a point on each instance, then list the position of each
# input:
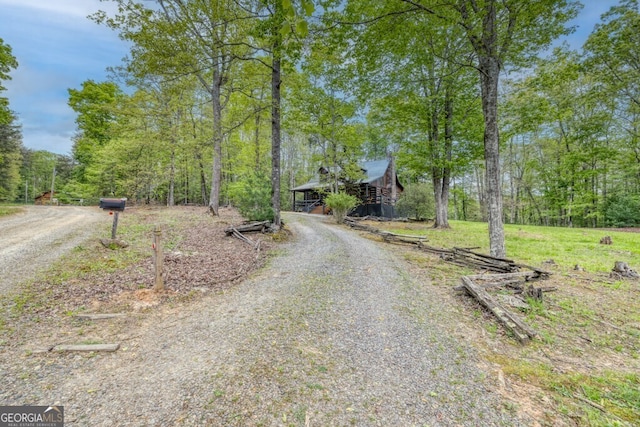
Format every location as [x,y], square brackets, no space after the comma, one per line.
[157,258]
[114,227]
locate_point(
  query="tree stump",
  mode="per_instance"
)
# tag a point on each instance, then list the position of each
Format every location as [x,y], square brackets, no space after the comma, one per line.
[606,240]
[535,293]
[622,269]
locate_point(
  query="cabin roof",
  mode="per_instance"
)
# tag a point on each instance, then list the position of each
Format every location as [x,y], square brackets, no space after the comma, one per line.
[373,171]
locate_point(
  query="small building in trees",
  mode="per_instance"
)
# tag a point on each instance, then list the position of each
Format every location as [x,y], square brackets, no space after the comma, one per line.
[377,188]
[46,198]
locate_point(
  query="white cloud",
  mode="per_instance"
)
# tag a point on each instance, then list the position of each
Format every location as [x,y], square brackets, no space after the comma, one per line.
[69,8]
[57,48]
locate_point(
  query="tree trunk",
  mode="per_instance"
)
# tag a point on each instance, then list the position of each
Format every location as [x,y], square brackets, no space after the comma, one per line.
[489,74]
[172,179]
[275,131]
[216,173]
[442,182]
[257,140]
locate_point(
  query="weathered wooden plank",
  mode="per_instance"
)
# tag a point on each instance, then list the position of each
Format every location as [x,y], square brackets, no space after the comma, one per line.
[86,347]
[516,275]
[100,316]
[508,261]
[492,305]
[247,228]
[404,238]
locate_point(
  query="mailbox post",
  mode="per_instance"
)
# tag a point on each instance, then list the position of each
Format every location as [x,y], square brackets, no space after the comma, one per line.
[114,206]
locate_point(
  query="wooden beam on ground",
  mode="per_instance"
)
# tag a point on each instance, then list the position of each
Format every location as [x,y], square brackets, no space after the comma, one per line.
[403,238]
[247,228]
[99,316]
[505,276]
[86,347]
[522,332]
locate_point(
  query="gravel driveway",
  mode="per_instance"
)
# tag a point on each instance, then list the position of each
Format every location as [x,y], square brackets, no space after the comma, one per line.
[29,241]
[331,333]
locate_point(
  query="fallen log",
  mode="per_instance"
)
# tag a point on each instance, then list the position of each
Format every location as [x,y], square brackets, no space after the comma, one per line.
[504,260]
[403,238]
[261,226]
[87,347]
[521,330]
[256,245]
[99,316]
[526,275]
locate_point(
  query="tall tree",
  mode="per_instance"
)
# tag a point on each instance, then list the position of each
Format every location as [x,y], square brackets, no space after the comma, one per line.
[197,37]
[10,134]
[612,57]
[417,66]
[284,18]
[501,32]
[7,63]
[96,107]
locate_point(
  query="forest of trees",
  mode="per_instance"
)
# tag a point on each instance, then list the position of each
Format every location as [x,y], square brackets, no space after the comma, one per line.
[236,101]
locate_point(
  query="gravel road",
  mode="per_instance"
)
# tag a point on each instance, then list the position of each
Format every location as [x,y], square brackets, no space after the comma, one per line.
[332,333]
[29,241]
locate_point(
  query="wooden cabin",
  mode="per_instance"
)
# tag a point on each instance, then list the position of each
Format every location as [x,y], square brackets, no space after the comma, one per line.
[46,198]
[378,190]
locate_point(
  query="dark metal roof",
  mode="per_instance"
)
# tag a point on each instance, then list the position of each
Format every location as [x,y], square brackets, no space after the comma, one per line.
[373,170]
[310,186]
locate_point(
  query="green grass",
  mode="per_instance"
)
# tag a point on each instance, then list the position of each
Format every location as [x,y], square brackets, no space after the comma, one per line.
[533,245]
[600,399]
[6,210]
[90,258]
[588,321]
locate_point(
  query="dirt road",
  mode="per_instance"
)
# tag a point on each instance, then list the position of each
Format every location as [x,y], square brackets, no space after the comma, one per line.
[333,332]
[31,240]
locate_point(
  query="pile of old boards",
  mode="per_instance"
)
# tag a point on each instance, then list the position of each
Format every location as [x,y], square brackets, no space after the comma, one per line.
[248,227]
[497,273]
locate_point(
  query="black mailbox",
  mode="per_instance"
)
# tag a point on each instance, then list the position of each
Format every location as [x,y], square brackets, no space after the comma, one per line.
[116,205]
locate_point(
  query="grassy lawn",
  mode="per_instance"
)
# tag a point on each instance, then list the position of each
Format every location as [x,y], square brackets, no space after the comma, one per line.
[533,245]
[9,210]
[584,369]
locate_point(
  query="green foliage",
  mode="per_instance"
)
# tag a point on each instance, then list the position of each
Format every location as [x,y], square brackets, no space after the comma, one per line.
[10,161]
[10,135]
[340,204]
[416,202]
[96,105]
[622,211]
[252,196]
[7,63]
[9,210]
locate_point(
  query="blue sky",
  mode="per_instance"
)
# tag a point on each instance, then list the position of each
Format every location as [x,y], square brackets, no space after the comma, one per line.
[58,48]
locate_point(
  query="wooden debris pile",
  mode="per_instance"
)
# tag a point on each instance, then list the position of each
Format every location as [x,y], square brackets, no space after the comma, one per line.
[478,284]
[498,273]
[261,226]
[236,231]
[461,256]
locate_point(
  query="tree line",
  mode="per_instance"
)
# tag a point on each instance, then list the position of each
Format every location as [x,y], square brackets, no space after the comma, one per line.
[237,101]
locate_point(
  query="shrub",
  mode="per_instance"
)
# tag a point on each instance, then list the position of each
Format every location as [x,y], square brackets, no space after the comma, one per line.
[341,204]
[622,211]
[416,201]
[252,197]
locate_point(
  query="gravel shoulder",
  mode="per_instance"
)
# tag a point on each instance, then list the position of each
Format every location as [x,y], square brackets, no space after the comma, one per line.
[29,241]
[331,332]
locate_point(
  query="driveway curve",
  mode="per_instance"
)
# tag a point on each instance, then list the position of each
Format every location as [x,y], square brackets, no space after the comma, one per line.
[332,333]
[32,239]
